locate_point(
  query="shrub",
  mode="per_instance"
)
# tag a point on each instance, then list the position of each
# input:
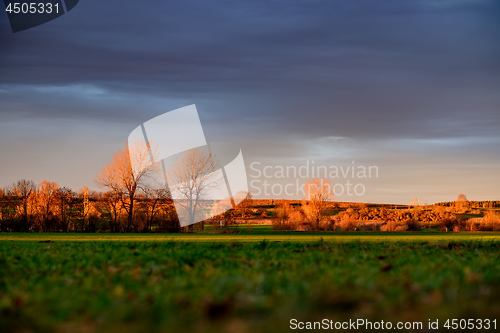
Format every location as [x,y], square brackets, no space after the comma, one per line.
[413,225]
[401,228]
[389,226]
[370,227]
[280,222]
[327,224]
[471,224]
[347,223]
[491,222]
[290,219]
[296,219]
[447,223]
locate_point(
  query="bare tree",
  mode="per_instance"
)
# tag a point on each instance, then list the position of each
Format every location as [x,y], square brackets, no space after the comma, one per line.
[153,197]
[111,203]
[462,200]
[24,189]
[192,178]
[125,177]
[45,203]
[318,193]
[64,196]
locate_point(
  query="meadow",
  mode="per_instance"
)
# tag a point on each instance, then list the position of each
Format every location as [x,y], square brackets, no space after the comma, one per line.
[254,281]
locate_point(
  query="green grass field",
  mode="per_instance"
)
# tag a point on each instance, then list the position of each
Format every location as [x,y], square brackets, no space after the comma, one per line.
[252,282]
[258,234]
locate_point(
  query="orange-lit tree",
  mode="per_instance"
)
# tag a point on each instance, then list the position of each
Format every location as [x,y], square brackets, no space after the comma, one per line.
[318,193]
[45,203]
[124,177]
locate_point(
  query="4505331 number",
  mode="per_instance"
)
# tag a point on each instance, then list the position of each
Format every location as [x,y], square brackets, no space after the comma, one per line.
[471,324]
[32,8]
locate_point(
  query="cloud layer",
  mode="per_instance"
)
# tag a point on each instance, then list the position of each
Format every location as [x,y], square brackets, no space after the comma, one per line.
[411,86]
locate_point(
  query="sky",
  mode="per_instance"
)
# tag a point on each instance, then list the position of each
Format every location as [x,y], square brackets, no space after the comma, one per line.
[409,87]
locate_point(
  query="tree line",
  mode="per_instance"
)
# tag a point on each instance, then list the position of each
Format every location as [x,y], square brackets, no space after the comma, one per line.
[473,204]
[26,206]
[137,197]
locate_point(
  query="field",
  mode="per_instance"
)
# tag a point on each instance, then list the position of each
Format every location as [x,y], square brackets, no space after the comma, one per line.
[255,281]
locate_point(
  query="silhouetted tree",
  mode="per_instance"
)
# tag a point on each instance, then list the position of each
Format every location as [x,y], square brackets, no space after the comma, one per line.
[64,198]
[153,197]
[24,190]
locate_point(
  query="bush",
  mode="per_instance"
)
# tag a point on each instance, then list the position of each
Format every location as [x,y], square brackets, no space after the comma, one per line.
[389,226]
[413,225]
[327,224]
[371,226]
[447,223]
[290,219]
[491,222]
[347,223]
[296,219]
[401,228]
[282,213]
[471,224]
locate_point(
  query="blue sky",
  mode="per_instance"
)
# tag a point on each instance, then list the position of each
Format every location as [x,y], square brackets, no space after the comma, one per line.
[409,86]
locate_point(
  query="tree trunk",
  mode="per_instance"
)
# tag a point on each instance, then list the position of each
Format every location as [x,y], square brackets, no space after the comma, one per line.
[130,213]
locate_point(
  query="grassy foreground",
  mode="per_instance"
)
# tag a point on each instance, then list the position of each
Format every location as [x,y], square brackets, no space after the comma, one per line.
[258,235]
[138,283]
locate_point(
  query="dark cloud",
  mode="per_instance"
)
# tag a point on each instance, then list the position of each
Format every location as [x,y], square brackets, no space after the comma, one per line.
[279,74]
